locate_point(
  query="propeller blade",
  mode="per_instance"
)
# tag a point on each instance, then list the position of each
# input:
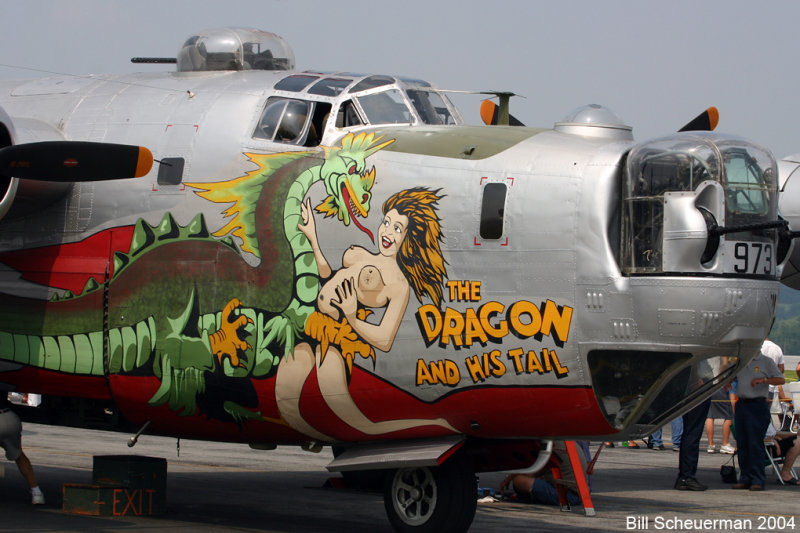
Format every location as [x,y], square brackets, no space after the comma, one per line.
[705,121]
[490,114]
[68,161]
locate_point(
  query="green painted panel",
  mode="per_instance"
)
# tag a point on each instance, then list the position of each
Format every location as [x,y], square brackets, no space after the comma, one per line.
[52,353]
[84,357]
[128,349]
[114,351]
[6,346]
[208,323]
[96,340]
[144,341]
[29,350]
[67,350]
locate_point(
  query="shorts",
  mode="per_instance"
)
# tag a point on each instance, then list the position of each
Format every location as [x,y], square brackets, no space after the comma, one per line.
[784,445]
[721,406]
[11,435]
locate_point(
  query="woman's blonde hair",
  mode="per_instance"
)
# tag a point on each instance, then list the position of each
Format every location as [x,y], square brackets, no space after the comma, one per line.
[420,255]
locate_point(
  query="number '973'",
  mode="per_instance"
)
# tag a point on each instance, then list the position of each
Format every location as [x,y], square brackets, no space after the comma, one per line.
[753,258]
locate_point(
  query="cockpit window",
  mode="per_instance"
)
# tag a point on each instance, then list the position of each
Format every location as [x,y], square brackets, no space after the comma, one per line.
[414,81]
[270,118]
[430,106]
[386,107]
[330,86]
[371,82]
[295,83]
[293,121]
[348,116]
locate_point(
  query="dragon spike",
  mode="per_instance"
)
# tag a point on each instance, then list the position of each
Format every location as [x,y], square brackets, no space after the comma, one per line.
[368,179]
[363,142]
[374,148]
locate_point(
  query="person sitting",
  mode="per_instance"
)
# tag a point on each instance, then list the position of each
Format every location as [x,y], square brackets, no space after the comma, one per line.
[790,449]
[540,487]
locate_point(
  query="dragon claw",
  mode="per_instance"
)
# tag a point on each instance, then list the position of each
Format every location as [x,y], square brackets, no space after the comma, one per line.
[225,342]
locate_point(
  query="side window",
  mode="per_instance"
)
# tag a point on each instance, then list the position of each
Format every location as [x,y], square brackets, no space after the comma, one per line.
[430,106]
[270,118]
[286,120]
[290,128]
[347,115]
[170,171]
[492,210]
[316,129]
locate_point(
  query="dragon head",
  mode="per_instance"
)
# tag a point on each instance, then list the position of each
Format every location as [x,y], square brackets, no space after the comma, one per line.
[347,179]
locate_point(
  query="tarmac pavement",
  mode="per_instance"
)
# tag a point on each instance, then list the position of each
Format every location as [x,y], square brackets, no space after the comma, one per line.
[222,487]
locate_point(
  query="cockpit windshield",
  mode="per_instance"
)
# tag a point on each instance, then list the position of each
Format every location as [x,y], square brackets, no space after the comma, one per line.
[346,100]
[390,100]
[385,107]
[390,105]
[430,106]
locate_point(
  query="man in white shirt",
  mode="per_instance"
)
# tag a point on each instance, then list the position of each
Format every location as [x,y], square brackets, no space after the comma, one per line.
[774,352]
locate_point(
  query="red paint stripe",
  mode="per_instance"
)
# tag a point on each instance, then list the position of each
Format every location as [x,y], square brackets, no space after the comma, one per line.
[69,266]
[523,412]
[52,383]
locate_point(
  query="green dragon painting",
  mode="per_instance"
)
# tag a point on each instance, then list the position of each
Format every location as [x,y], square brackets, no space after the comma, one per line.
[348,184]
[195,355]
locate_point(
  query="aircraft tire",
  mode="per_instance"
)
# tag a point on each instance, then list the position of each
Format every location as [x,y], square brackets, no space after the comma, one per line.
[431,500]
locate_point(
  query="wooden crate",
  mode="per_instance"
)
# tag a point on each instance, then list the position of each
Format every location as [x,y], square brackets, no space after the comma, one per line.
[122,485]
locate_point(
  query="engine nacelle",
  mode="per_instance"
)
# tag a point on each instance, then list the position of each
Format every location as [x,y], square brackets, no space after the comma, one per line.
[8,184]
[21,197]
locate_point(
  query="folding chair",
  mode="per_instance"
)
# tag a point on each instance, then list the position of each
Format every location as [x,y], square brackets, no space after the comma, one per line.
[781,413]
[776,455]
[793,391]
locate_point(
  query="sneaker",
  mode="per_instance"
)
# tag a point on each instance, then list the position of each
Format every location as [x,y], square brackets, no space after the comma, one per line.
[688,483]
[659,447]
[37,498]
[712,449]
[676,447]
[727,448]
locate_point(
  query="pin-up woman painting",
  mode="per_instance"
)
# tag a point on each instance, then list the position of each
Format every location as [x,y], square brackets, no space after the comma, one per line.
[409,258]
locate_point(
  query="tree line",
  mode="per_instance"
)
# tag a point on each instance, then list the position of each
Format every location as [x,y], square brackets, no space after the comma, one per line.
[786,329]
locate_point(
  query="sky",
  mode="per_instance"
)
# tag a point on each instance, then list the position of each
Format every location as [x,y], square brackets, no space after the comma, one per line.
[656,64]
